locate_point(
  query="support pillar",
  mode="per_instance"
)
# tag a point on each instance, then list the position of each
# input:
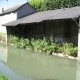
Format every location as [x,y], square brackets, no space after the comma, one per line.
[6,36]
[78,71]
[79,39]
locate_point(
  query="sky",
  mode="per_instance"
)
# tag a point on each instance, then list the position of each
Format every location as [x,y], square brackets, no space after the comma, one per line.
[10,3]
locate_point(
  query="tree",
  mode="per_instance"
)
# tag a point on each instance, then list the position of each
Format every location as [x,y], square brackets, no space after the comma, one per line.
[43,5]
[36,4]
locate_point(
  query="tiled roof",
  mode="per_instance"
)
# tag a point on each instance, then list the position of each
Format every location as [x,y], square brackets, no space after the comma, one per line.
[12,9]
[65,13]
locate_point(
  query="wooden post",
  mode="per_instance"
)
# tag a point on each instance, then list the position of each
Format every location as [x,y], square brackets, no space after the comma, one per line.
[67,30]
[79,39]
[44,28]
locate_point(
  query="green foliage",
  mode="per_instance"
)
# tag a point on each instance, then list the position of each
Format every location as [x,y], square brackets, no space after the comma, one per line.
[39,44]
[42,5]
[69,49]
[35,44]
[44,45]
[13,39]
[22,43]
[66,47]
[74,52]
[3,78]
[36,4]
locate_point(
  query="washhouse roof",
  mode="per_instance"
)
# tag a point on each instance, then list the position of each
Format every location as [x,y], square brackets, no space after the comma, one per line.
[65,13]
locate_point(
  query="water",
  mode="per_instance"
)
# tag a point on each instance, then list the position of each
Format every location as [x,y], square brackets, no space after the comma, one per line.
[20,64]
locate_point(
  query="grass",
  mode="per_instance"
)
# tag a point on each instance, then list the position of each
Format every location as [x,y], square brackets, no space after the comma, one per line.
[2,33]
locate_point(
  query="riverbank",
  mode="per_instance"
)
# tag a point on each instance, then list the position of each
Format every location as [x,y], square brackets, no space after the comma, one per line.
[53,54]
[66,56]
[59,55]
[2,37]
[67,50]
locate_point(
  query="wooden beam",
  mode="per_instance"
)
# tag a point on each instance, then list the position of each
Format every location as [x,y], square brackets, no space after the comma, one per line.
[44,28]
[22,30]
[67,30]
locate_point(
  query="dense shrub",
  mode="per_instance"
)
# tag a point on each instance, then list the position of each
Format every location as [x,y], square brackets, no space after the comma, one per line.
[13,39]
[68,48]
[44,45]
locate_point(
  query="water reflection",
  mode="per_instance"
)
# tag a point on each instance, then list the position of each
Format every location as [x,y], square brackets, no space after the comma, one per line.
[3,53]
[27,65]
[6,70]
[78,71]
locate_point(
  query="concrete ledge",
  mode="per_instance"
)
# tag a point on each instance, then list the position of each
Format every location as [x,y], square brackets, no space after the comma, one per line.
[65,56]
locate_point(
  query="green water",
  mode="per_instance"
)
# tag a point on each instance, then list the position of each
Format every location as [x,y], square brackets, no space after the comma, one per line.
[20,64]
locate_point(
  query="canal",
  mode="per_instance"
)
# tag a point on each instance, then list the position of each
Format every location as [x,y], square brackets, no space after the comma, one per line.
[21,64]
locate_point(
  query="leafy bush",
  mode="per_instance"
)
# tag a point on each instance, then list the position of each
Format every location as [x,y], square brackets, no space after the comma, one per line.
[3,78]
[44,45]
[51,48]
[73,51]
[13,39]
[68,48]
[23,43]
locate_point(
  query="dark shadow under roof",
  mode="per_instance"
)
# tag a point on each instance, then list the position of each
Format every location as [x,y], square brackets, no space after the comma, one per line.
[65,13]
